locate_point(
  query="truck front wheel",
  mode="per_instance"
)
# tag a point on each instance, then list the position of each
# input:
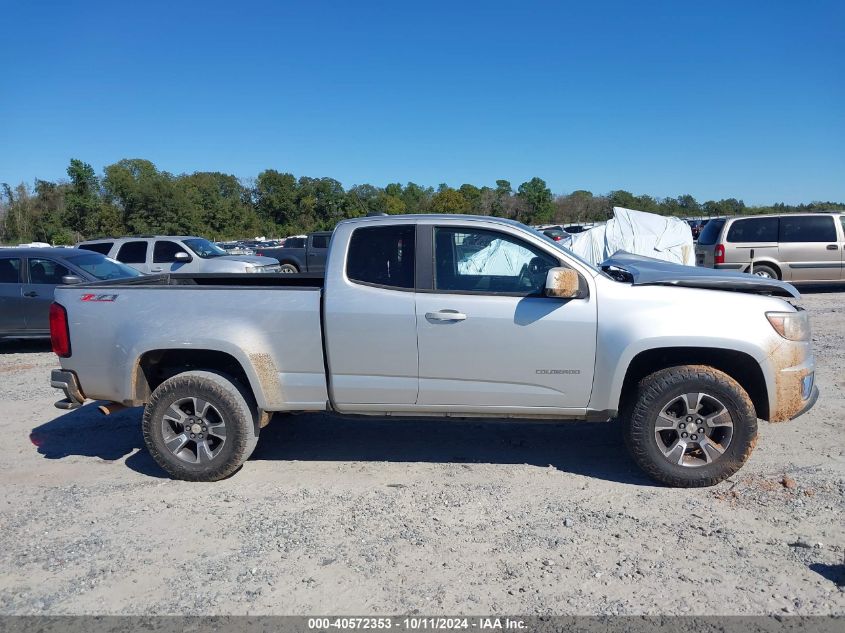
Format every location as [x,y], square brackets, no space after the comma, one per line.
[198,426]
[690,426]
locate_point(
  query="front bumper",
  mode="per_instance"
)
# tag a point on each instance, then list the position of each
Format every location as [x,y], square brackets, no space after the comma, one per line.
[67,381]
[811,401]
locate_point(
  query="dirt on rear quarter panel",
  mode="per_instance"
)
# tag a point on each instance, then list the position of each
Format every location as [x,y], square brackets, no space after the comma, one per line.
[783,356]
[268,378]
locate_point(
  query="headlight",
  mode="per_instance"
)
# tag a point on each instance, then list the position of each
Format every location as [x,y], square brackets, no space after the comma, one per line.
[793,326]
[252,269]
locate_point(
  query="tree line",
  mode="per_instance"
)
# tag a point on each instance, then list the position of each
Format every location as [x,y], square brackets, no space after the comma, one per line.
[134,197]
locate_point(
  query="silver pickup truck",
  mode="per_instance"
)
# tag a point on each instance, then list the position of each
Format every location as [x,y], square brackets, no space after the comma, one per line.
[444,316]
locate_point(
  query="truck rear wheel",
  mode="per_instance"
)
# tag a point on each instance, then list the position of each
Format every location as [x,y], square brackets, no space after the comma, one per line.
[690,426]
[199,426]
[288,269]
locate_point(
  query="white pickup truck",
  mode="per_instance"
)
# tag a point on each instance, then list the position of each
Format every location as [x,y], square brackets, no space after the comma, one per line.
[445,316]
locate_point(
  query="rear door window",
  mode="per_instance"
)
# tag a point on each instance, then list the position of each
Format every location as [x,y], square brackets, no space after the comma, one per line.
[102,248]
[710,233]
[807,228]
[753,230]
[133,253]
[382,256]
[10,270]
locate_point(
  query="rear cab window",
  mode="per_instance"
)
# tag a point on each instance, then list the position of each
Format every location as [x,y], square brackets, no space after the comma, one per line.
[382,256]
[102,248]
[711,231]
[133,253]
[807,228]
[10,270]
[753,230]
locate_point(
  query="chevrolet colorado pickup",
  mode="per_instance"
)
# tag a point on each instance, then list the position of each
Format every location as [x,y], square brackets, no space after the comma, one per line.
[445,316]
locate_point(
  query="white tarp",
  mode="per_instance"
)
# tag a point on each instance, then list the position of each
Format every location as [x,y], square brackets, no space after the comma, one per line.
[499,257]
[658,236]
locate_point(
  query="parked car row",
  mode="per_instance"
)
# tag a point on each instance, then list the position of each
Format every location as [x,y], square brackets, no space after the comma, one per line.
[790,247]
[188,254]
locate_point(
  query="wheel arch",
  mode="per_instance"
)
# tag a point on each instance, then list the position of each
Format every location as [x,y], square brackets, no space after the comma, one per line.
[738,365]
[154,366]
[766,262]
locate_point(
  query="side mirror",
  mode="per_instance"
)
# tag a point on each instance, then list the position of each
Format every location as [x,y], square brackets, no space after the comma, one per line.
[182,256]
[69,280]
[564,283]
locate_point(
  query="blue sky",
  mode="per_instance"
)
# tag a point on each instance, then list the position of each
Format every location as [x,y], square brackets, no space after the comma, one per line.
[717,99]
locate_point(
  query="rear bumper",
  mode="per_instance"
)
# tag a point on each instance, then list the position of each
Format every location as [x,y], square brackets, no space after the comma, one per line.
[67,381]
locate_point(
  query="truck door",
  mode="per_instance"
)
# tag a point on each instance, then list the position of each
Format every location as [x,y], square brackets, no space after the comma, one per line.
[369,319]
[318,245]
[134,254]
[164,258]
[488,337]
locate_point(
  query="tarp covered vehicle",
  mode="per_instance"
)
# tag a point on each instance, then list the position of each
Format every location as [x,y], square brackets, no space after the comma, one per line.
[637,232]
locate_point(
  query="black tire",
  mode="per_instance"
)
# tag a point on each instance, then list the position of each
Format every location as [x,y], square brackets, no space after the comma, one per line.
[288,269]
[762,270]
[659,398]
[229,403]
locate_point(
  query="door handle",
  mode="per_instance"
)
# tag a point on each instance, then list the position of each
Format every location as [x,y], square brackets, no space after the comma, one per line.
[833,247]
[31,293]
[155,270]
[445,315]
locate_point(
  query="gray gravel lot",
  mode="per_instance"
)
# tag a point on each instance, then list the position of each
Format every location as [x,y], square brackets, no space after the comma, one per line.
[372,516]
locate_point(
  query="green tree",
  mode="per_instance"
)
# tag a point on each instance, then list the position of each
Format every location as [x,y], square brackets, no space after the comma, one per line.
[538,198]
[82,198]
[275,197]
[448,200]
[150,200]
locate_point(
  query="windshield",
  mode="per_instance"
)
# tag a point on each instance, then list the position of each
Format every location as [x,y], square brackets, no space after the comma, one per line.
[102,267]
[203,248]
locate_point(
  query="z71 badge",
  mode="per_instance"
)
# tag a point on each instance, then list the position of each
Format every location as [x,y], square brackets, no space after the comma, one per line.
[98,298]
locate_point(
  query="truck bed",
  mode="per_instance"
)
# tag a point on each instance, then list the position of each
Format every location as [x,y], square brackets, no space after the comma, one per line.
[268,323]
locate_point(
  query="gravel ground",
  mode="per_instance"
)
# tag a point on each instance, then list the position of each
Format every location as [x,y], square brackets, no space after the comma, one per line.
[372,516]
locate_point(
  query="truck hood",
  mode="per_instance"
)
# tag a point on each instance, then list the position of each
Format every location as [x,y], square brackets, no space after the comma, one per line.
[647,271]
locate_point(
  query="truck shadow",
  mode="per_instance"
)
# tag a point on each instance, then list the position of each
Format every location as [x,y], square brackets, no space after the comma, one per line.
[88,433]
[585,448]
